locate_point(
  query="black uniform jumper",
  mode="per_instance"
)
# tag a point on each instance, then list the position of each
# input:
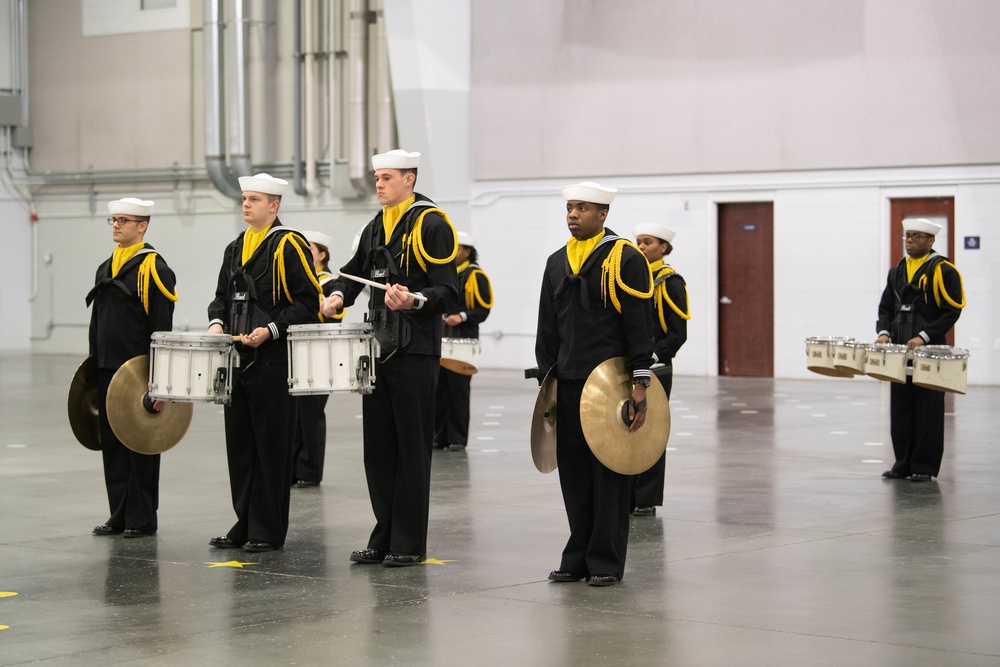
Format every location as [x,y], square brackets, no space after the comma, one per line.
[120,329]
[910,308]
[648,489]
[399,413]
[578,330]
[455,389]
[260,419]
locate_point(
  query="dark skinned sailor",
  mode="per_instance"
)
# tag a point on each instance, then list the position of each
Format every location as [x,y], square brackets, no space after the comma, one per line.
[594,306]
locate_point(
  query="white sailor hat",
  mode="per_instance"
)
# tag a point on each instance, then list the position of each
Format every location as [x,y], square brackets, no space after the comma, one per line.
[131,206]
[921,225]
[589,192]
[319,238]
[655,230]
[397,159]
[466,240]
[265,183]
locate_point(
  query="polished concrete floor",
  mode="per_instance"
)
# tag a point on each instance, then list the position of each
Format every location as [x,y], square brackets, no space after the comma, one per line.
[778,544]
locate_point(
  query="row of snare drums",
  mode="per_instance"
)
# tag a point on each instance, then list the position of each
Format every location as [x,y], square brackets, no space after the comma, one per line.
[195,367]
[938,367]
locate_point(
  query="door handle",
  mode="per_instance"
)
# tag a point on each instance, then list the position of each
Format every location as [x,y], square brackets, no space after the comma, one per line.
[725,301]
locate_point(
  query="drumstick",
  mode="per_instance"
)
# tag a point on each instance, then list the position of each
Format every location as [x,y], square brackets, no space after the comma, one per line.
[372,283]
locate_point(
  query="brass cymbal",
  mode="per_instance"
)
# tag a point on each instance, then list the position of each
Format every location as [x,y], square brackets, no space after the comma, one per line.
[140,430]
[543,426]
[619,449]
[82,406]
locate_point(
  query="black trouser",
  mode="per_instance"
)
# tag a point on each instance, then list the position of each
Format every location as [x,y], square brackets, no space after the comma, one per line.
[451,423]
[399,433]
[310,438]
[596,498]
[647,487]
[132,480]
[917,428]
[260,432]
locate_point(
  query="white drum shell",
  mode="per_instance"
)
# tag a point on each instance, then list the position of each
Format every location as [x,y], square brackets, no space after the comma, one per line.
[461,355]
[190,367]
[849,357]
[941,368]
[820,356]
[328,359]
[886,362]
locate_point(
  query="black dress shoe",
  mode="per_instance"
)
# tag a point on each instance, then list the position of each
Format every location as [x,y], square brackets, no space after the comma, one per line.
[258,546]
[564,576]
[401,560]
[455,448]
[105,529]
[368,556]
[892,474]
[129,532]
[224,543]
[602,580]
[919,477]
[305,483]
[644,510]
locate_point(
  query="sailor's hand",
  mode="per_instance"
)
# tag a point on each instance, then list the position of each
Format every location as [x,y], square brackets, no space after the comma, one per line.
[331,305]
[914,342]
[215,328]
[257,337]
[638,417]
[453,320]
[397,297]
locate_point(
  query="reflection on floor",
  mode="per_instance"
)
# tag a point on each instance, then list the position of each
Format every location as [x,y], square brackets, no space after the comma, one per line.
[778,544]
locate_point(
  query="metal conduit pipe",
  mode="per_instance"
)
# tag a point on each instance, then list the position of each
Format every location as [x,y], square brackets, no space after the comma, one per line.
[215,149]
[357,49]
[309,64]
[297,183]
[385,136]
[238,103]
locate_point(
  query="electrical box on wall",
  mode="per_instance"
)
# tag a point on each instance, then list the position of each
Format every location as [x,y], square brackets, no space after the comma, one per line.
[10,110]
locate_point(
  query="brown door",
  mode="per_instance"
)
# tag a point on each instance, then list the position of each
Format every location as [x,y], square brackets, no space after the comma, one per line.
[746,289]
[935,208]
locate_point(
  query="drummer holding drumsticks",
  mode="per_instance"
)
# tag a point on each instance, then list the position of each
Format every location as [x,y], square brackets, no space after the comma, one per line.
[408,249]
[266,284]
[922,300]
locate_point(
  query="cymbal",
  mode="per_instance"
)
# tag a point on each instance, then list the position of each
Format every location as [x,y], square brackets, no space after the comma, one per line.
[140,430]
[619,449]
[543,426]
[82,406]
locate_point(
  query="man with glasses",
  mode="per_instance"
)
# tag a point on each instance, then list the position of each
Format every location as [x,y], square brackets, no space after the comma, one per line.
[133,297]
[922,300]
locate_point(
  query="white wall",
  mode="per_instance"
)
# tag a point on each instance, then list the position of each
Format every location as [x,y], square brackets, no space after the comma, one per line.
[831,254]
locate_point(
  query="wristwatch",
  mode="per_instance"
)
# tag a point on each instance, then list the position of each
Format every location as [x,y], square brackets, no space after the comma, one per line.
[644,381]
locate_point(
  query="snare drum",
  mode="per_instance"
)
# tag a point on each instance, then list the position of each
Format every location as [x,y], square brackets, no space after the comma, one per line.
[820,356]
[460,355]
[886,362]
[940,367]
[331,358]
[849,357]
[190,367]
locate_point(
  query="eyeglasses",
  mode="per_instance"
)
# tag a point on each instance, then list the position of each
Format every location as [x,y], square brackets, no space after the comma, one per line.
[121,221]
[915,236]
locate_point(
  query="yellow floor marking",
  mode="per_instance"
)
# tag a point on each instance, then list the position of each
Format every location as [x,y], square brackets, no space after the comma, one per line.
[435,561]
[232,563]
[7,594]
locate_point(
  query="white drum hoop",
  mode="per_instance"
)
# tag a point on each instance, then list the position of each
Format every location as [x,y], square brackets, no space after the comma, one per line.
[941,368]
[331,358]
[190,367]
[888,362]
[820,355]
[461,355]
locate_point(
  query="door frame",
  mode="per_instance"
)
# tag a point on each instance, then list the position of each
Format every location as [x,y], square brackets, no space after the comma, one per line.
[712,270]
